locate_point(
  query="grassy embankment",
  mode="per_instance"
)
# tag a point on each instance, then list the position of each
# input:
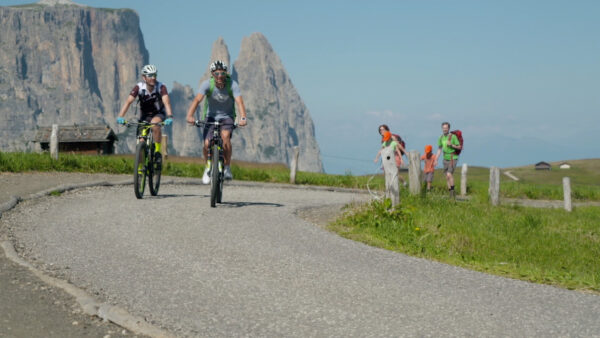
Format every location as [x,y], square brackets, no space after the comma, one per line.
[549,246]
[175,166]
[540,245]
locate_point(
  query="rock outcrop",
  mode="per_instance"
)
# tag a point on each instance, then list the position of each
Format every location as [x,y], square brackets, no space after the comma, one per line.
[65,63]
[184,139]
[219,51]
[278,119]
[187,139]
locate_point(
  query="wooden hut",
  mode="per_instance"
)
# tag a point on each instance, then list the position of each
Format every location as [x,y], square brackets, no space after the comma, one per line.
[83,139]
[543,166]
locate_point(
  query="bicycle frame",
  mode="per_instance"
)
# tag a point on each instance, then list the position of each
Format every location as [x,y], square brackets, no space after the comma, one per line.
[215,139]
[216,156]
[145,163]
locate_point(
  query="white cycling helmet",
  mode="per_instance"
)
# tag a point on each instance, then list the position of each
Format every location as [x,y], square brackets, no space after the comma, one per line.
[218,65]
[149,70]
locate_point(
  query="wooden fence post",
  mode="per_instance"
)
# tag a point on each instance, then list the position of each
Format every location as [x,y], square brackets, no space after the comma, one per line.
[392,190]
[164,146]
[494,189]
[54,142]
[463,180]
[567,193]
[414,172]
[294,165]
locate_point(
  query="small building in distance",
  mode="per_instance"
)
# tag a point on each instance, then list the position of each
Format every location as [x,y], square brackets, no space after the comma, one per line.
[543,166]
[565,165]
[82,139]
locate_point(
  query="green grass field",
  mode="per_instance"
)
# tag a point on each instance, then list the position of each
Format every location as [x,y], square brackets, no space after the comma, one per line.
[548,246]
[534,184]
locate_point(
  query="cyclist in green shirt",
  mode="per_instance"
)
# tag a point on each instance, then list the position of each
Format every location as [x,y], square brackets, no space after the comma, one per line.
[448,144]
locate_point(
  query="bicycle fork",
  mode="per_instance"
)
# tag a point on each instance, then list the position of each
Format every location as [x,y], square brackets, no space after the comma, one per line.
[143,137]
[221,159]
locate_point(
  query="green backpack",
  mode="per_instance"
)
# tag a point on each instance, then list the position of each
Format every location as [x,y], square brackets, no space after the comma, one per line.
[211,88]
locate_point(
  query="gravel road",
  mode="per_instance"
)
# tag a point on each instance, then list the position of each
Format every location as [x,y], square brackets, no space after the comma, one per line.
[251,267]
[30,307]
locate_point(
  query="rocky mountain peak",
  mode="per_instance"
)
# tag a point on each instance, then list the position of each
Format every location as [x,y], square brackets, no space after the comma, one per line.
[279,120]
[219,52]
[257,43]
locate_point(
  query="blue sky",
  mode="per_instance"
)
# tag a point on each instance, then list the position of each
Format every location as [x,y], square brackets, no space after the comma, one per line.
[521,79]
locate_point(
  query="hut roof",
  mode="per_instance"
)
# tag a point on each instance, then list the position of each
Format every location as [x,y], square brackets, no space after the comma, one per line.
[77,133]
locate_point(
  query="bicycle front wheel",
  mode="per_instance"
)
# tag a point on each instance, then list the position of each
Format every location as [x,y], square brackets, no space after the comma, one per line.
[215,176]
[155,171]
[139,170]
[220,189]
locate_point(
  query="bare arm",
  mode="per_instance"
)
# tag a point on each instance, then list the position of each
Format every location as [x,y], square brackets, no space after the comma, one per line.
[195,102]
[399,149]
[377,156]
[167,102]
[240,103]
[437,155]
[126,105]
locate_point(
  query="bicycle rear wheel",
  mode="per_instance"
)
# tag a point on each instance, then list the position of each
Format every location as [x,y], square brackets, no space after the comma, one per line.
[139,170]
[215,176]
[154,172]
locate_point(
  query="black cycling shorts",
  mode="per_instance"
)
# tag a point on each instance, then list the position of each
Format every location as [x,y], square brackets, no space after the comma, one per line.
[227,124]
[148,117]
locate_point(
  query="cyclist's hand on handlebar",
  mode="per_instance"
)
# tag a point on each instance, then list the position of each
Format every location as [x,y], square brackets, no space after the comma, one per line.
[191,120]
[120,120]
[168,121]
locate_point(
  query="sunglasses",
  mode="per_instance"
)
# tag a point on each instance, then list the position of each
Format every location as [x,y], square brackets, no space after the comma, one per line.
[220,73]
[151,75]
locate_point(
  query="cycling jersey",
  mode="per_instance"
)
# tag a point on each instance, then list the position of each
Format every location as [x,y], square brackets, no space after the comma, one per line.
[150,102]
[220,103]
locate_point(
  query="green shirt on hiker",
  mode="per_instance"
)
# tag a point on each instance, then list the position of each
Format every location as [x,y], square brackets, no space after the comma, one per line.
[449,153]
[393,144]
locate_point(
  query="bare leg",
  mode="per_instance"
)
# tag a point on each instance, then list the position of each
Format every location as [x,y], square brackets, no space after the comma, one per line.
[226,136]
[449,180]
[156,130]
[205,151]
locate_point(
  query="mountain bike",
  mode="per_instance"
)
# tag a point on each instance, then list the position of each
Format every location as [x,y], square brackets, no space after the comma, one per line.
[147,163]
[215,151]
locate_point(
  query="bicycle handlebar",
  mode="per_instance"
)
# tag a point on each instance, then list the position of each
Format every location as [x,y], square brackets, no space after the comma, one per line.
[199,123]
[143,123]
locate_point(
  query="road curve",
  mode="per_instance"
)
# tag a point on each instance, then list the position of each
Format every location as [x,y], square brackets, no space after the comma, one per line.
[251,267]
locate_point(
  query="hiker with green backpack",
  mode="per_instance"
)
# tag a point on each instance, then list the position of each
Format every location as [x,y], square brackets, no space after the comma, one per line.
[220,94]
[450,144]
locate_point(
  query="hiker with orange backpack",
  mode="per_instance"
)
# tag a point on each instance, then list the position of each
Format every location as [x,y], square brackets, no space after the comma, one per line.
[449,144]
[400,148]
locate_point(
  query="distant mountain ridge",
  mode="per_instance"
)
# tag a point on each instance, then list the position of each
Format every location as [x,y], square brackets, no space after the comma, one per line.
[65,63]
